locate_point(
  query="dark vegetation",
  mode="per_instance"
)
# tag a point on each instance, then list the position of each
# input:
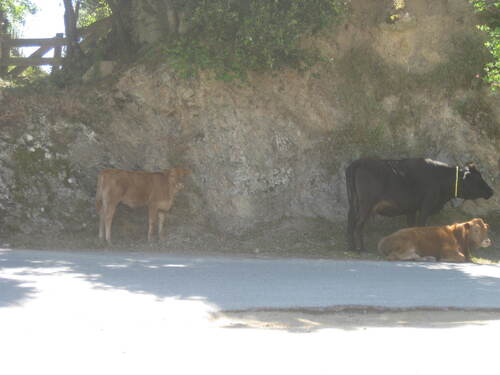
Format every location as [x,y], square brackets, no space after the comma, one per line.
[227,37]
[231,38]
[490,12]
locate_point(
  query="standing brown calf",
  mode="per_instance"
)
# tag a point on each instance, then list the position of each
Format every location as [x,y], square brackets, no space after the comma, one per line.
[451,243]
[156,190]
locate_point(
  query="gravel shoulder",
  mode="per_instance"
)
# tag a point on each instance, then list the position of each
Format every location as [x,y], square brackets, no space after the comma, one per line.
[354,319]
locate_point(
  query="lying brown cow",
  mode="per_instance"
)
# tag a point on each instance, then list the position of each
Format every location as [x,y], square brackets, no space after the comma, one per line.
[451,243]
[156,190]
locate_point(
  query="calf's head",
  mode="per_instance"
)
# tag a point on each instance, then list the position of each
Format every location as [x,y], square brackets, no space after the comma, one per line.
[478,233]
[178,172]
[174,177]
[178,187]
[473,184]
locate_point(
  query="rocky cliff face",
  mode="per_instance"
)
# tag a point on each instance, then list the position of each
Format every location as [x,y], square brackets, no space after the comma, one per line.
[267,150]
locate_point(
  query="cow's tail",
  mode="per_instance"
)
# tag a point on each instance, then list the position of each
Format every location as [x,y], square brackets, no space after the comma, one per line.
[352,197]
[98,195]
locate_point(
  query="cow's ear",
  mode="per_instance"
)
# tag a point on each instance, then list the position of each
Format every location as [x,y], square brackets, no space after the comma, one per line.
[470,165]
[466,172]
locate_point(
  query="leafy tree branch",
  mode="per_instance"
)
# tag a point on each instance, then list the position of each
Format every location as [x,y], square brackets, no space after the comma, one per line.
[490,10]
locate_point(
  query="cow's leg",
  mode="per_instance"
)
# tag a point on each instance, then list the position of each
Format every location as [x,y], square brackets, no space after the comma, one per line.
[453,255]
[364,214]
[351,222]
[109,212]
[161,221]
[411,219]
[428,205]
[153,218]
[101,224]
[407,254]
[467,254]
[422,219]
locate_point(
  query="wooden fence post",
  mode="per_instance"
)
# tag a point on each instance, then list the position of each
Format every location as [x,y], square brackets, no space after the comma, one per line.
[20,64]
[4,54]
[57,54]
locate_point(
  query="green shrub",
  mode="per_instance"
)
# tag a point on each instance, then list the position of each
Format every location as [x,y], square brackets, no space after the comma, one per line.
[490,11]
[231,38]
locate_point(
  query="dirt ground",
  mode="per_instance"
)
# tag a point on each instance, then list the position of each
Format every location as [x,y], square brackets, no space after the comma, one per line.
[291,238]
[353,319]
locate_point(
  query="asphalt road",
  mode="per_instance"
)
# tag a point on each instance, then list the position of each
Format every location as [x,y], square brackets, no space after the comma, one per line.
[121,312]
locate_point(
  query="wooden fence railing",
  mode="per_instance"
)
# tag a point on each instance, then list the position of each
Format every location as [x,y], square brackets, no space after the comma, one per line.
[35,59]
[87,34]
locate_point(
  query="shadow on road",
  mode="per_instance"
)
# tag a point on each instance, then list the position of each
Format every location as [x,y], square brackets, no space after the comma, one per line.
[13,292]
[267,293]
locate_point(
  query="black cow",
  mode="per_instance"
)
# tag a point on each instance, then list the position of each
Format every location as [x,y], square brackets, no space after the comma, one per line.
[405,187]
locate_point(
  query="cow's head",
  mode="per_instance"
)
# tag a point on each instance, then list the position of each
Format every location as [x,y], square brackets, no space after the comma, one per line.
[179,186]
[473,185]
[181,172]
[176,173]
[478,233]
[175,176]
